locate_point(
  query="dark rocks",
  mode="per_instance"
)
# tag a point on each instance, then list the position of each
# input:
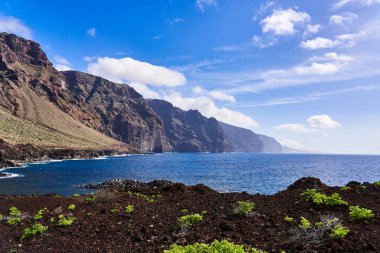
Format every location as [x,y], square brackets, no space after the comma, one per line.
[129,185]
[307,183]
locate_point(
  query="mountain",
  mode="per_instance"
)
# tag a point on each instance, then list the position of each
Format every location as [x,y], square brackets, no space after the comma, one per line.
[244,140]
[74,110]
[78,105]
[190,131]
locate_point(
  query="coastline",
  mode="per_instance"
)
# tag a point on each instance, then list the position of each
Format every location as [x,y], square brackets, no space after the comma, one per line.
[153,225]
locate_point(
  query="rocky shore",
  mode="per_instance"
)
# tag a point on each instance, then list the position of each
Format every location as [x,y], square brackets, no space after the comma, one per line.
[132,216]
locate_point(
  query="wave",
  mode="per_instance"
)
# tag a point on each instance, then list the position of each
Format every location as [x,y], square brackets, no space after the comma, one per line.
[10,175]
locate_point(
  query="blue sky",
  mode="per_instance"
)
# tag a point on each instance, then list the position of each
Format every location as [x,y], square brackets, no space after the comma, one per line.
[304,72]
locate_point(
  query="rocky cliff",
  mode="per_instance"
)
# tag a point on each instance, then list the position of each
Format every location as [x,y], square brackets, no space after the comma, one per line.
[190,131]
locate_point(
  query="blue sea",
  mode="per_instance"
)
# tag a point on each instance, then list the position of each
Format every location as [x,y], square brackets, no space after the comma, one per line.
[232,172]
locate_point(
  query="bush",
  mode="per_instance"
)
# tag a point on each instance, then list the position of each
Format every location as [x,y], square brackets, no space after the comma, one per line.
[244,208]
[288,219]
[14,221]
[339,232]
[345,188]
[39,214]
[305,223]
[89,199]
[377,184]
[71,207]
[129,209]
[320,198]
[115,210]
[189,220]
[358,213]
[13,211]
[76,195]
[216,246]
[36,229]
[65,221]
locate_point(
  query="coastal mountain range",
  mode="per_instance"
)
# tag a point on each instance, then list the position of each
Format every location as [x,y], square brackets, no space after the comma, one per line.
[53,109]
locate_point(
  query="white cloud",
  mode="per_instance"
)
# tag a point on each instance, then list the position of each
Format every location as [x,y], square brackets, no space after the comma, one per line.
[343,19]
[144,90]
[128,69]
[198,90]
[333,56]
[61,60]
[284,22]
[290,143]
[257,41]
[319,43]
[317,68]
[10,24]
[208,108]
[89,58]
[218,95]
[341,3]
[263,9]
[322,122]
[312,29]
[91,32]
[298,128]
[202,4]
[61,67]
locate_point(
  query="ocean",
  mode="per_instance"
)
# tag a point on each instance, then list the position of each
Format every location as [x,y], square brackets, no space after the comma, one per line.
[229,172]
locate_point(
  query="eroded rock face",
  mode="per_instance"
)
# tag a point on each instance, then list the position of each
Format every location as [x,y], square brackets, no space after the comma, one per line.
[190,131]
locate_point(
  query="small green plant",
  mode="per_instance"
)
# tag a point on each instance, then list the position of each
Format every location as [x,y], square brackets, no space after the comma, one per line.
[52,219]
[377,184]
[76,195]
[358,213]
[204,212]
[65,221]
[305,224]
[39,214]
[13,211]
[222,246]
[71,207]
[13,221]
[189,220]
[320,198]
[89,199]
[1,216]
[56,195]
[319,224]
[339,232]
[184,210]
[345,188]
[244,208]
[115,210]
[129,209]
[288,219]
[148,198]
[37,228]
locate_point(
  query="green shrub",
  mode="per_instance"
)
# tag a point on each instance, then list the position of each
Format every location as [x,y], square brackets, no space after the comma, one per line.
[13,221]
[89,199]
[358,213]
[288,219]
[216,246]
[52,219]
[39,214]
[129,209]
[36,229]
[189,220]
[377,184]
[320,198]
[244,208]
[319,224]
[305,223]
[13,211]
[345,188]
[76,195]
[115,210]
[339,232]
[71,207]
[1,216]
[184,210]
[148,198]
[65,221]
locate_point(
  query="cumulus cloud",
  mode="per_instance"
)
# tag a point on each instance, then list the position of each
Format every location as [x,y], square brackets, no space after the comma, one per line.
[13,25]
[312,29]
[284,22]
[131,70]
[317,68]
[61,67]
[208,108]
[343,19]
[198,90]
[298,128]
[347,40]
[203,4]
[333,56]
[290,143]
[91,32]
[322,122]
[218,95]
[61,63]
[144,90]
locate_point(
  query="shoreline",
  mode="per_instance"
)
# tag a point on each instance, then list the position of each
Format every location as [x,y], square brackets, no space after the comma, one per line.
[152,226]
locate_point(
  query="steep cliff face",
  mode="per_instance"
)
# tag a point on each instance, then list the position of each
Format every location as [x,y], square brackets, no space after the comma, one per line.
[189,131]
[75,103]
[244,140]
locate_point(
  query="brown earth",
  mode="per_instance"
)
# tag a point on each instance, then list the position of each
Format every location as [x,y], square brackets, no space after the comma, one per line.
[153,227]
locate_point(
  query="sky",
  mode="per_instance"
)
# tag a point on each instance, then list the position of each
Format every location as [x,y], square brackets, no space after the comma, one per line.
[304,72]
